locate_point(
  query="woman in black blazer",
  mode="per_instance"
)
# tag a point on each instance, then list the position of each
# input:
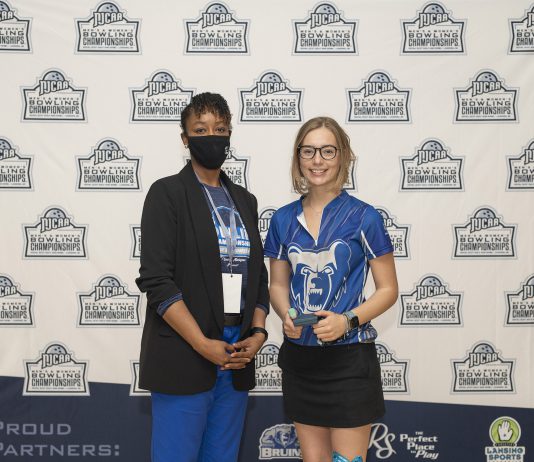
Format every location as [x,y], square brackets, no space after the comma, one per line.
[206,283]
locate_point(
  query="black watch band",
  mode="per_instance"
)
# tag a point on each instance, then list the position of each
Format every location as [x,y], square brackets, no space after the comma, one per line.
[261,330]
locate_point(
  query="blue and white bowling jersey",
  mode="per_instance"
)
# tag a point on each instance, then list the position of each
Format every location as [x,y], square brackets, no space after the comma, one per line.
[330,273]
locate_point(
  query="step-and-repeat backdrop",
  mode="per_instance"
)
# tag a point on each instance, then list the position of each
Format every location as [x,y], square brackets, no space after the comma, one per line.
[438,99]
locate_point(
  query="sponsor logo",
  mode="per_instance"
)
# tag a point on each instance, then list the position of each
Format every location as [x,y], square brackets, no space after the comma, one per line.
[504,433]
[108,168]
[483,370]
[380,441]
[433,30]
[522,33]
[136,241]
[264,221]
[270,99]
[420,446]
[55,372]
[397,233]
[268,374]
[486,99]
[379,99]
[432,168]
[217,31]
[14,31]
[162,99]
[55,235]
[279,442]
[484,235]
[520,304]
[15,170]
[394,371]
[521,169]
[134,386]
[107,30]
[431,304]
[16,307]
[325,31]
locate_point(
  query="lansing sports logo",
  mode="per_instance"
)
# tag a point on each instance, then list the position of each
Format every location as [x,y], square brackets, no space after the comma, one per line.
[162,99]
[217,31]
[279,442]
[487,99]
[108,304]
[378,100]
[431,304]
[394,371]
[484,235]
[107,30]
[55,235]
[136,241]
[433,30]
[520,304]
[55,372]
[521,169]
[108,168]
[134,386]
[15,170]
[522,33]
[270,99]
[264,221]
[268,374]
[15,306]
[54,98]
[325,31]
[483,370]
[432,168]
[504,433]
[397,233]
[14,31]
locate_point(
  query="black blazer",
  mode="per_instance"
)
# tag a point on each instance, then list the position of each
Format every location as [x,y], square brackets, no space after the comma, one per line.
[180,252]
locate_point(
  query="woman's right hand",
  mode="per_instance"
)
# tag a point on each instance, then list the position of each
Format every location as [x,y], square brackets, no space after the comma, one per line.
[218,352]
[289,328]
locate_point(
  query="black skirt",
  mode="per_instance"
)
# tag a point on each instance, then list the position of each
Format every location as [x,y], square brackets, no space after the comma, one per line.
[336,386]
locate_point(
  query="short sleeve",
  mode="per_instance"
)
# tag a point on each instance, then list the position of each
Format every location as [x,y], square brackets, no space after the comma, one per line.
[274,247]
[374,236]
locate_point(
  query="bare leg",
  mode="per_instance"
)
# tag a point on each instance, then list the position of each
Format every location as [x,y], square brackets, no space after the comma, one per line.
[314,443]
[351,442]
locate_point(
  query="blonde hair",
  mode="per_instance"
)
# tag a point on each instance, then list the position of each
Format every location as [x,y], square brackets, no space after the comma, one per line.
[345,153]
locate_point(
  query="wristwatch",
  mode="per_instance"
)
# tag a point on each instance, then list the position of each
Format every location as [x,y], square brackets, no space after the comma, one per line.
[261,330]
[352,319]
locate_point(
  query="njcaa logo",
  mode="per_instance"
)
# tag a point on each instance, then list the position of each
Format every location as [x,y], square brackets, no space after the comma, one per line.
[378,100]
[325,31]
[279,442]
[236,168]
[217,31]
[270,99]
[504,433]
[394,371]
[487,99]
[484,235]
[264,221]
[522,36]
[433,31]
[136,241]
[520,304]
[15,306]
[108,167]
[397,233]
[14,31]
[108,30]
[55,235]
[432,168]
[55,372]
[109,304]
[483,370]
[15,170]
[268,374]
[521,169]
[431,304]
[350,185]
[54,98]
[161,100]
[134,386]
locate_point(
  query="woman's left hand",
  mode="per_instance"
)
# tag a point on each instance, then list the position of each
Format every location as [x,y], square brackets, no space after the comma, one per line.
[331,327]
[247,348]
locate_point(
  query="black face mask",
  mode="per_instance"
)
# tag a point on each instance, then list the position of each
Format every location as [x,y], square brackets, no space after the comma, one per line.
[209,151]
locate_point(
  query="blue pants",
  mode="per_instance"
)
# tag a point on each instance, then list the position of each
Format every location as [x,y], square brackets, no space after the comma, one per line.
[204,427]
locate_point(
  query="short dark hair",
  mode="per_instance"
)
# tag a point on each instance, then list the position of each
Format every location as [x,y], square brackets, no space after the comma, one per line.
[206,102]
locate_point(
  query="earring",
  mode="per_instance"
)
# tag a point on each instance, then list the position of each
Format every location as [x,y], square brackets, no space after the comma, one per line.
[186,146]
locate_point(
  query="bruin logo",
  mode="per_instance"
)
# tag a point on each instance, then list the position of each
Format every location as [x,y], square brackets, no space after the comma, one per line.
[522,33]
[14,31]
[279,441]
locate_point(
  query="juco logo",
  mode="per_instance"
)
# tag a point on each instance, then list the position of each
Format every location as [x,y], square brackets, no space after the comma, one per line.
[397,233]
[108,304]
[15,306]
[279,442]
[378,100]
[270,99]
[433,30]
[520,304]
[134,386]
[268,374]
[55,235]
[521,169]
[237,168]
[217,31]
[325,31]
[522,33]
[136,241]
[484,235]
[483,370]
[107,30]
[15,170]
[504,433]
[394,371]
[55,372]
[432,168]
[264,221]
[14,31]
[108,168]
[162,99]
[431,304]
[486,100]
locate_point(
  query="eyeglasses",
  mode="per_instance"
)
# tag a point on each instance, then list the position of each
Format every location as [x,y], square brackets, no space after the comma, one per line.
[327,152]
